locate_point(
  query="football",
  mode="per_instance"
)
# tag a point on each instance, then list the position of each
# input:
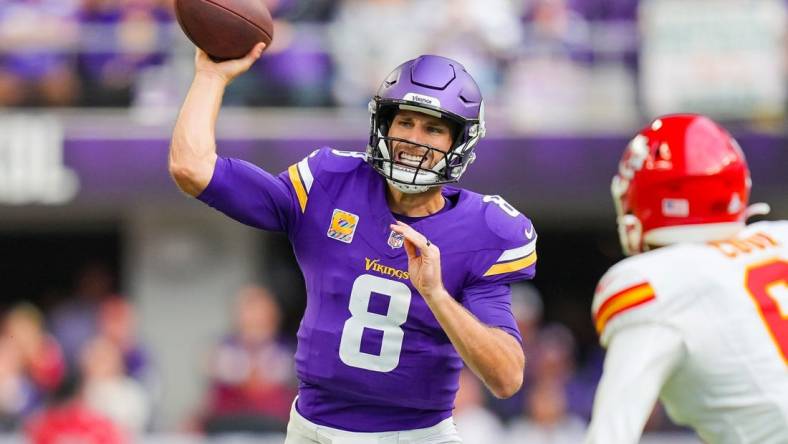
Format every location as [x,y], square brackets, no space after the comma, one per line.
[225,29]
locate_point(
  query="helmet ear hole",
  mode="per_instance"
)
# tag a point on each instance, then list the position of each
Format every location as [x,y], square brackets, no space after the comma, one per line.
[385,118]
[456,131]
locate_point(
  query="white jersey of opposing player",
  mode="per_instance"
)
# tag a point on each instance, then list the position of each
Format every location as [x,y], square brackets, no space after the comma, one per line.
[705,328]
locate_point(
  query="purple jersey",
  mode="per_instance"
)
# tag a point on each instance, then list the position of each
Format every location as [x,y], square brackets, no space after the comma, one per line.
[371,356]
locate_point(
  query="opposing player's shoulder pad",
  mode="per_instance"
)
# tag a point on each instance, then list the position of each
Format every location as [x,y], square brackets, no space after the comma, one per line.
[774,229]
[621,296]
[319,166]
[512,242]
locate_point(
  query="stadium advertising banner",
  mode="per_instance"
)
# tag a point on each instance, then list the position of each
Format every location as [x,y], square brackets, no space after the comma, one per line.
[723,58]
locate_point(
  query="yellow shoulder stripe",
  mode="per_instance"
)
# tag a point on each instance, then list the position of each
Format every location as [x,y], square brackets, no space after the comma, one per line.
[295,178]
[508,267]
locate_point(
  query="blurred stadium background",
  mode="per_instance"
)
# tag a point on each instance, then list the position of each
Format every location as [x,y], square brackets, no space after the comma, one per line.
[178,324]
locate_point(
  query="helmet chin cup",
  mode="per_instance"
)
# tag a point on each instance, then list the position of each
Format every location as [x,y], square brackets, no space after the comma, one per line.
[407,188]
[630,234]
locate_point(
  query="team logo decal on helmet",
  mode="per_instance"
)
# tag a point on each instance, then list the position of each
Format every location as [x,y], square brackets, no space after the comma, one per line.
[439,87]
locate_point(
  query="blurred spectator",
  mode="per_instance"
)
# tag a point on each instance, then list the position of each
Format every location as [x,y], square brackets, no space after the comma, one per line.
[109,391]
[18,396]
[302,11]
[117,322]
[480,35]
[41,355]
[295,71]
[368,37]
[549,422]
[475,424]
[69,420]
[120,38]
[554,362]
[607,10]
[527,308]
[572,72]
[555,27]
[74,321]
[483,36]
[252,387]
[35,63]
[553,358]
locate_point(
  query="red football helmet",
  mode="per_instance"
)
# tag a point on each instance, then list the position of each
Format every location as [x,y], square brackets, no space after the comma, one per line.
[681,179]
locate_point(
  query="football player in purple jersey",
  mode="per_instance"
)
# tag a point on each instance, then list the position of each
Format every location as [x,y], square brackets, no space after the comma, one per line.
[405,283]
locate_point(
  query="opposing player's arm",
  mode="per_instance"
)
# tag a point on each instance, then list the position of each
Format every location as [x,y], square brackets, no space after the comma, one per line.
[643,349]
[639,359]
[193,147]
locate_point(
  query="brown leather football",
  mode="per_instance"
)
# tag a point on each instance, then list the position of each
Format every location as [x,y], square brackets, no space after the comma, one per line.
[225,29]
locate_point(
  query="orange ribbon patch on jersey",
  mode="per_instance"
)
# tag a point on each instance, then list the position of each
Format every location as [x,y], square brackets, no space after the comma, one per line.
[622,301]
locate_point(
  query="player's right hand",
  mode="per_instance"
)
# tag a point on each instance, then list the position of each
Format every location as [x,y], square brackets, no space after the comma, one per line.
[228,69]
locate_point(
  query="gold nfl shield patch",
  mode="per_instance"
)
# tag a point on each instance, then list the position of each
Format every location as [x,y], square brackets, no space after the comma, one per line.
[343,226]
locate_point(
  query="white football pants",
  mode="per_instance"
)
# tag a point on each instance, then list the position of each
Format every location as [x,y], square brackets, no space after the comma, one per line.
[302,431]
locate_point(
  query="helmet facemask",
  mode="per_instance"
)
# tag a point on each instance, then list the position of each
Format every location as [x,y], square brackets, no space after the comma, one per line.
[409,178]
[630,230]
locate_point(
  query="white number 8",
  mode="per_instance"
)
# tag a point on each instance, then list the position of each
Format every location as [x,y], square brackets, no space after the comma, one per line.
[503,204]
[399,304]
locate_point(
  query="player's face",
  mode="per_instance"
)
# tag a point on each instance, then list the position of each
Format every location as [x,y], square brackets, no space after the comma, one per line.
[420,129]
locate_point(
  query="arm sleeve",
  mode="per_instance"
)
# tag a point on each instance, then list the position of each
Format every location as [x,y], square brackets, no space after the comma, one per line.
[251,195]
[639,360]
[492,305]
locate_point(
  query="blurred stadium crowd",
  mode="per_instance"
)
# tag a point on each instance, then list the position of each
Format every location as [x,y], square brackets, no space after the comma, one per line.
[577,63]
[325,53]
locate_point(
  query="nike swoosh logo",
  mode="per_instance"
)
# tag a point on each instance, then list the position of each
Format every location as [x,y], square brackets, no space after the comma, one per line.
[529,232]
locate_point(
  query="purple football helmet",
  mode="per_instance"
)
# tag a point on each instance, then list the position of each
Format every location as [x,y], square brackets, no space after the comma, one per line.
[439,87]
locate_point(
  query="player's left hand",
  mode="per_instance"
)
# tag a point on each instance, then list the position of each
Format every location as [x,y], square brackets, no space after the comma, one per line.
[424,261]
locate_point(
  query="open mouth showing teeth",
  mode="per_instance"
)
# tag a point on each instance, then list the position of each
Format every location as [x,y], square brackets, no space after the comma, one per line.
[409,162]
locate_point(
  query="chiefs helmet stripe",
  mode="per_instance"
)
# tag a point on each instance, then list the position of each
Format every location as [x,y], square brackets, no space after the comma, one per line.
[306,174]
[622,301]
[517,253]
[509,267]
[295,178]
